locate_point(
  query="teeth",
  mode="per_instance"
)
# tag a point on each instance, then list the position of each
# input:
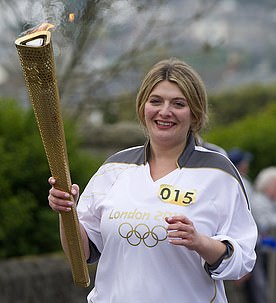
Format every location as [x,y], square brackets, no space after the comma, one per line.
[164,123]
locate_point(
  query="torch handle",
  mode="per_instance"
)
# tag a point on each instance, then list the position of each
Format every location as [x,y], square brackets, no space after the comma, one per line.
[39,72]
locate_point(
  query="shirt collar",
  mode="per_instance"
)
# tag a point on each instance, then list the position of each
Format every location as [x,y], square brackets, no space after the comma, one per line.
[183,158]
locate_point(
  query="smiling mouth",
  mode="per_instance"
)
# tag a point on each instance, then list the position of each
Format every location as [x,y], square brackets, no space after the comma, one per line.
[165,124]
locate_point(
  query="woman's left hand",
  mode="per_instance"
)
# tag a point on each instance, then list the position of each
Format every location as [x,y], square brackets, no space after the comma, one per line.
[181,231]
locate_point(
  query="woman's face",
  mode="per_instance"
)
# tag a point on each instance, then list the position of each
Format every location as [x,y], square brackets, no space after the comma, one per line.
[168,117]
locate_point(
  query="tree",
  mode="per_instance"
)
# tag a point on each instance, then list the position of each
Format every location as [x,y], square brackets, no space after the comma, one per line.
[254,133]
[102,47]
[229,106]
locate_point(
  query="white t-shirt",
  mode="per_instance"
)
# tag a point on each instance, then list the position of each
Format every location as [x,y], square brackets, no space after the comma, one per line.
[123,211]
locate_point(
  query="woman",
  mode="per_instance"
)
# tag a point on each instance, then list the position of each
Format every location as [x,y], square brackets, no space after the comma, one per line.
[170,220]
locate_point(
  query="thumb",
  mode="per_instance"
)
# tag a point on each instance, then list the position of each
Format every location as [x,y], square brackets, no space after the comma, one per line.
[75,190]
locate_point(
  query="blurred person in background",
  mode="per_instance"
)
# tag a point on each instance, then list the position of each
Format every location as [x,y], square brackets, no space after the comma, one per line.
[263,206]
[264,200]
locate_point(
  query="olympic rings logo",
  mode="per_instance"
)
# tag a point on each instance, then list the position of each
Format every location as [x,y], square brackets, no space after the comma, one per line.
[141,233]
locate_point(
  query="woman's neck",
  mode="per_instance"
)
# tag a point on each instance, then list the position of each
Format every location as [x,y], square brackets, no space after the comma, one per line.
[163,160]
[165,152]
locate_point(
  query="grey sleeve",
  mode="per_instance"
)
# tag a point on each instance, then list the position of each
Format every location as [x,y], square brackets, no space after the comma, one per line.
[94,253]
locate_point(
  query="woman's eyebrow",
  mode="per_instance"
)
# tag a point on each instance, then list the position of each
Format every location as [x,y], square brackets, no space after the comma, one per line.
[154,95]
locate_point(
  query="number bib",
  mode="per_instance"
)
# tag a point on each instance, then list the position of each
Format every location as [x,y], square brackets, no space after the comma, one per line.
[170,194]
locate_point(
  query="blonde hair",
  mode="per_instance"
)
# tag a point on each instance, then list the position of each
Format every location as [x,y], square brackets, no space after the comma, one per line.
[189,82]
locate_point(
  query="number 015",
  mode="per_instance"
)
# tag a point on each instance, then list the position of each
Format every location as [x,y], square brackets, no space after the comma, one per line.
[171,194]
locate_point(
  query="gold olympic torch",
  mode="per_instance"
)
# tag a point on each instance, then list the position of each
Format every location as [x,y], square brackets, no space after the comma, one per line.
[37,62]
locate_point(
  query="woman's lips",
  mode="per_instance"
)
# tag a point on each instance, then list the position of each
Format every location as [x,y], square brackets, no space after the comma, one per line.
[164,123]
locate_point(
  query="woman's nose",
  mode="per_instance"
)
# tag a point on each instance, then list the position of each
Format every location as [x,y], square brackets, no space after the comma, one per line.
[165,109]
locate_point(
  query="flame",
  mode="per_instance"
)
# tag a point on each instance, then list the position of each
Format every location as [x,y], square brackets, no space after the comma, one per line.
[41,27]
[71,17]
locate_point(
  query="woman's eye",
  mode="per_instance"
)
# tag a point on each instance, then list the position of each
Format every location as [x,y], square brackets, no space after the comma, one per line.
[180,103]
[155,101]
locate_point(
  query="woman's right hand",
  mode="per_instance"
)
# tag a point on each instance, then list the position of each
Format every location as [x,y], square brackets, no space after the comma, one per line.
[61,201]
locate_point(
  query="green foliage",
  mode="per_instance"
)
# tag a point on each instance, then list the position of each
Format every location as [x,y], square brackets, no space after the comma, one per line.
[254,133]
[231,106]
[28,226]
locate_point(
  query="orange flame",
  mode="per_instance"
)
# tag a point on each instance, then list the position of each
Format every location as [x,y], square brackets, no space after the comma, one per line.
[71,17]
[42,27]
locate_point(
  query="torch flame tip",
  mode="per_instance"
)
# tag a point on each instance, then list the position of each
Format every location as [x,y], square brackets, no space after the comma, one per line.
[45,26]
